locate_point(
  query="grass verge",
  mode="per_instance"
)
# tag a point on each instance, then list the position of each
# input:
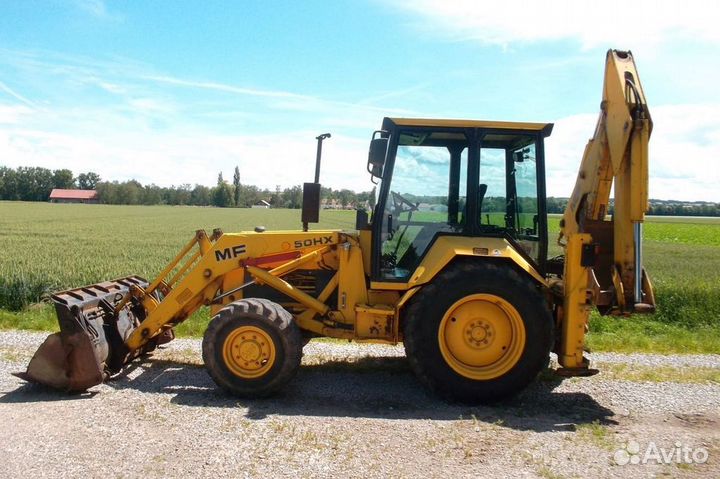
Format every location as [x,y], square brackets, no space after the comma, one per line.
[40,317]
[641,334]
[659,374]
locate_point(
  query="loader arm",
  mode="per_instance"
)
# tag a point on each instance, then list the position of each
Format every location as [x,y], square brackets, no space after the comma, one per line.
[204,276]
[603,257]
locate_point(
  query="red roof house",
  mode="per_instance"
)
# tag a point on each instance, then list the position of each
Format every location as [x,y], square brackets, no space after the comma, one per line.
[58,195]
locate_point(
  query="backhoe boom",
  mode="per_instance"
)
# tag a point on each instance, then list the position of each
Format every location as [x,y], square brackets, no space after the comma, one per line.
[603,257]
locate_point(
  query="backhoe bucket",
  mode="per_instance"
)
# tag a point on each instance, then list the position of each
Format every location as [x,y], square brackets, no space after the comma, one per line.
[91,343]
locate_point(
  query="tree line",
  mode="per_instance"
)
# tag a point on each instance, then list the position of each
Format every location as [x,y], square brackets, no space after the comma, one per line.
[656,207]
[36,184]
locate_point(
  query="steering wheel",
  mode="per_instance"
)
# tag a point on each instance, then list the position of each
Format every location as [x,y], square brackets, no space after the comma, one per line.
[400,202]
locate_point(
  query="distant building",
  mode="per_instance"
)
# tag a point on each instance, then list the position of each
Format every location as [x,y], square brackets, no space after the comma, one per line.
[328,204]
[432,207]
[261,204]
[58,195]
[334,204]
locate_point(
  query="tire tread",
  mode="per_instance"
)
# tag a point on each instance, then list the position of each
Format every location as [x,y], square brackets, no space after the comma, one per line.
[417,344]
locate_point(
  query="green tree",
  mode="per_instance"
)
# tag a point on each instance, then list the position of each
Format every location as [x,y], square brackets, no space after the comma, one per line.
[130,193]
[222,196]
[200,196]
[292,197]
[34,184]
[179,195]
[63,179]
[236,186]
[346,197]
[152,195]
[276,198]
[8,184]
[107,192]
[88,181]
[251,194]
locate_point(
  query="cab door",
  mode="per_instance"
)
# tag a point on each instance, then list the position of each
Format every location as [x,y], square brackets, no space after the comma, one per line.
[424,194]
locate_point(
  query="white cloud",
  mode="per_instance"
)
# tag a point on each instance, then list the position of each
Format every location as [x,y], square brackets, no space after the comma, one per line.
[178,157]
[12,114]
[156,133]
[98,9]
[284,100]
[15,95]
[152,132]
[684,152]
[593,23]
[206,85]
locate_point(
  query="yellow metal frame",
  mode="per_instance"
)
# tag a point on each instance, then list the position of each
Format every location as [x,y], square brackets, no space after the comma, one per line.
[439,122]
[576,305]
[618,152]
[446,248]
[201,277]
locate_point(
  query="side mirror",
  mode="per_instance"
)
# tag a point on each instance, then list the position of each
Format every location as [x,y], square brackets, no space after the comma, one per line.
[376,155]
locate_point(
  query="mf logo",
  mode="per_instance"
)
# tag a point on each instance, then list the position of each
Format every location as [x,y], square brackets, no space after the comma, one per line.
[313,241]
[229,253]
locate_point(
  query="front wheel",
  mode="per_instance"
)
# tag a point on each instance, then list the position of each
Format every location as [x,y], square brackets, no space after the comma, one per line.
[252,347]
[478,333]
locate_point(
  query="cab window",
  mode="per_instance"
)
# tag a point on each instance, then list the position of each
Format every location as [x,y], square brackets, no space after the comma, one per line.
[427,195]
[508,179]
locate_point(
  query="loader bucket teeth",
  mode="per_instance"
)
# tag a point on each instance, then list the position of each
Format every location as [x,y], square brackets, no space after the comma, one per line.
[90,345]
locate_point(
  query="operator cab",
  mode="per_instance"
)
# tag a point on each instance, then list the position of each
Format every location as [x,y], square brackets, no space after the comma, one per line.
[454,177]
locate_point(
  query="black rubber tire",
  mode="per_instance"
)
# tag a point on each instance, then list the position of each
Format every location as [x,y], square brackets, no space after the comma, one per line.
[271,318]
[427,308]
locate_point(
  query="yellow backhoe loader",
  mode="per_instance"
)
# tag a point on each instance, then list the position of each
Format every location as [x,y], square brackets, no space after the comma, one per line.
[453,263]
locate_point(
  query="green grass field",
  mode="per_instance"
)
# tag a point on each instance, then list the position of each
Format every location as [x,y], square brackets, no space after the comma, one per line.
[45,247]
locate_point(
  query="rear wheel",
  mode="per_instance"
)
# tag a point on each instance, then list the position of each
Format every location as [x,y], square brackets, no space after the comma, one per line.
[252,347]
[478,333]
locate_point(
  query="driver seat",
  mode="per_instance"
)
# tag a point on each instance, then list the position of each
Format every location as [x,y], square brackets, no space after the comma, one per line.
[482,189]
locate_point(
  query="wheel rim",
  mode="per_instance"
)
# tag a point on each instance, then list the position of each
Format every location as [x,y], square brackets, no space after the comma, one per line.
[482,336]
[249,352]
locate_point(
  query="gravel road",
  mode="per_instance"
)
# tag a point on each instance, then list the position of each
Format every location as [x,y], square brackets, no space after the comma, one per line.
[357,411]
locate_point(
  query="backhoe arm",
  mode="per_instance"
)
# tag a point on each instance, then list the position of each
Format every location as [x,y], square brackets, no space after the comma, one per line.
[617,152]
[603,258]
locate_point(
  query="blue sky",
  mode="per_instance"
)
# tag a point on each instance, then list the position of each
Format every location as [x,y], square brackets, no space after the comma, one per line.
[173,92]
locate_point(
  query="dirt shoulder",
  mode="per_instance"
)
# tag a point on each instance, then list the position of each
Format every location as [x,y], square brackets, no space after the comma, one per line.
[357,411]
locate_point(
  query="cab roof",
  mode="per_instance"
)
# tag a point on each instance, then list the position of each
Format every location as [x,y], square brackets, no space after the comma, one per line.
[546,128]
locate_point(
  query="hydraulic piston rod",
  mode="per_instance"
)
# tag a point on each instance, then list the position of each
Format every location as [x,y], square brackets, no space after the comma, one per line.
[637,291]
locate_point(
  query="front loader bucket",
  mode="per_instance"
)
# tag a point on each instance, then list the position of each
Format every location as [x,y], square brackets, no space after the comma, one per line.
[91,343]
